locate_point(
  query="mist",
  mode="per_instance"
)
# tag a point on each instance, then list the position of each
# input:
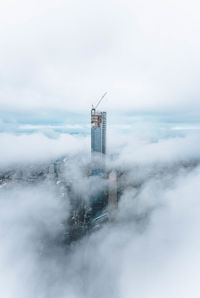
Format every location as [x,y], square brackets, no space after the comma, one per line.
[150,249]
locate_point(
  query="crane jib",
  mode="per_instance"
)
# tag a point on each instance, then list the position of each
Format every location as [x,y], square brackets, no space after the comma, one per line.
[100,100]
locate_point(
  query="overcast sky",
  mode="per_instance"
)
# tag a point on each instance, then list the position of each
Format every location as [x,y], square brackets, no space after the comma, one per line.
[65,54]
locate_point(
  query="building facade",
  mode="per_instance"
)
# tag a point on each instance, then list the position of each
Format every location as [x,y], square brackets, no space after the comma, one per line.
[98,132]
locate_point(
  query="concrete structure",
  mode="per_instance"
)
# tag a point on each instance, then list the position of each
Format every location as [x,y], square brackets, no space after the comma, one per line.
[112,194]
[52,171]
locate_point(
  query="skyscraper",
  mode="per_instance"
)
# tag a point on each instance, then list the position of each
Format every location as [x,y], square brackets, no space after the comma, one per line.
[98,132]
[98,150]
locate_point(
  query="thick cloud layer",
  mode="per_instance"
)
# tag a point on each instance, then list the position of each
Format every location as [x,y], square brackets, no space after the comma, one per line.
[37,148]
[150,250]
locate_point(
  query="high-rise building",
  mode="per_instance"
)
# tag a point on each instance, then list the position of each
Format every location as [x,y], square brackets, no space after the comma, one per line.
[98,150]
[98,131]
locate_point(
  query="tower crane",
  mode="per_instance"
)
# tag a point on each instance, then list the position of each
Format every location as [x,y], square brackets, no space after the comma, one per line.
[94,108]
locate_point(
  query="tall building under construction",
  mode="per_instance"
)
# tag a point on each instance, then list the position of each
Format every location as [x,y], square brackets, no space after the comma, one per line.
[98,151]
[98,130]
[108,197]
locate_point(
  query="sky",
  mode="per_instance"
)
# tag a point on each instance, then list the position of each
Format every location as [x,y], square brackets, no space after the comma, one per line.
[64,55]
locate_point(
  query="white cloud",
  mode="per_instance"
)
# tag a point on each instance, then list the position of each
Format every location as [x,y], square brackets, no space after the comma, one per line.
[152,249]
[33,148]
